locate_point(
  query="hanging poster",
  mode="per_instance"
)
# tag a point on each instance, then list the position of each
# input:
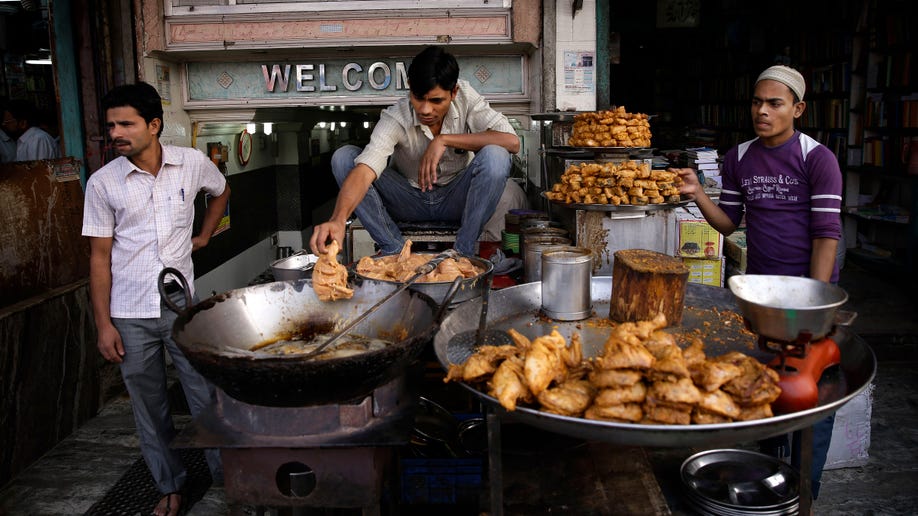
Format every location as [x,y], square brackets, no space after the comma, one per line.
[162,83]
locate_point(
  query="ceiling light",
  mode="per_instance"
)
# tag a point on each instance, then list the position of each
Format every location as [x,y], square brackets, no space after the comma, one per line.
[366,125]
[321,125]
[43,57]
[343,124]
[251,127]
[269,127]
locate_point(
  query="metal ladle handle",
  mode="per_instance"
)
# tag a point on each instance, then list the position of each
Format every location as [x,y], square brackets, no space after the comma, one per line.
[420,271]
[161,285]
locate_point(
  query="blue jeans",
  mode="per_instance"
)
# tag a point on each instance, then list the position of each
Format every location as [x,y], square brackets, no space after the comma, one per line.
[144,373]
[469,199]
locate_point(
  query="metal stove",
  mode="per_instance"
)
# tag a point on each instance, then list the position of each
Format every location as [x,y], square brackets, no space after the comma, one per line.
[329,456]
[799,364]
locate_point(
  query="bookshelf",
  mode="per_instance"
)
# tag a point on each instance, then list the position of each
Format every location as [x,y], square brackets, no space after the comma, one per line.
[881,179]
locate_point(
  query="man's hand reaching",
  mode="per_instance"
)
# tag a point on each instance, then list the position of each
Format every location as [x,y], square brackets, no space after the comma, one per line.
[690,184]
[324,234]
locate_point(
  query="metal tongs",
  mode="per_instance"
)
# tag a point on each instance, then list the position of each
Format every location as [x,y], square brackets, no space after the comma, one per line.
[427,268]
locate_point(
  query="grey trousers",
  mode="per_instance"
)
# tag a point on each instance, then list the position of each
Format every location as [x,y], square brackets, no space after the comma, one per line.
[144,372]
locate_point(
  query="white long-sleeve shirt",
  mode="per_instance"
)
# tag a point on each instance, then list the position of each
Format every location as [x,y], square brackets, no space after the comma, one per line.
[36,144]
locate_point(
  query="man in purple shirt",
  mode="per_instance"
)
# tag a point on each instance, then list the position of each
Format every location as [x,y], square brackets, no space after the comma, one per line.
[789,188]
[786,184]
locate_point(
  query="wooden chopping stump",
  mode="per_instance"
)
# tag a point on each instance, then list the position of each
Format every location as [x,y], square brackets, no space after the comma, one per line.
[645,283]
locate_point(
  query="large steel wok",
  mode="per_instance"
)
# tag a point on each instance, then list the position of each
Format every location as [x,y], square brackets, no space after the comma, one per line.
[708,309]
[217,336]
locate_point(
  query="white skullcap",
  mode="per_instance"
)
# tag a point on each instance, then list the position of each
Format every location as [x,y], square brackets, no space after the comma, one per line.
[786,76]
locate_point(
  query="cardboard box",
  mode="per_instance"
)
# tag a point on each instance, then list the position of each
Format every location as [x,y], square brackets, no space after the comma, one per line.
[706,272]
[735,249]
[697,239]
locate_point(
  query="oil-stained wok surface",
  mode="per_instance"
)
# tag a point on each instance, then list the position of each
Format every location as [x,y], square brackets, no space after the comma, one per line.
[710,313]
[218,335]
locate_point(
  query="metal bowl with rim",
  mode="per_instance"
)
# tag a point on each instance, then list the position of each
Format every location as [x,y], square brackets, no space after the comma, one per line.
[294,267]
[469,288]
[733,481]
[784,307]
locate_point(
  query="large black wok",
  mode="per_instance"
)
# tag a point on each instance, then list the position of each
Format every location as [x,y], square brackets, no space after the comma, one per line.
[217,336]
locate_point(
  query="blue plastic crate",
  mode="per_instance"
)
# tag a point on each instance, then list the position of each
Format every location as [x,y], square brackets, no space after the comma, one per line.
[441,481]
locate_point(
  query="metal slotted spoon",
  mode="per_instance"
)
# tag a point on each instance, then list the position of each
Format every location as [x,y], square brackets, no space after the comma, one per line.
[482,336]
[420,271]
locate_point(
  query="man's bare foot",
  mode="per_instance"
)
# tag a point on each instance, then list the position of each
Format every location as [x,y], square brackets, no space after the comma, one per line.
[169,505]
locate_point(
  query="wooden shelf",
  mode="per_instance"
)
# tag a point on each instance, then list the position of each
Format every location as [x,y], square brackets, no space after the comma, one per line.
[894,173]
[877,214]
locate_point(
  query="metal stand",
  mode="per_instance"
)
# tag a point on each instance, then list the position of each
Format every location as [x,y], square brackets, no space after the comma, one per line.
[806,466]
[495,465]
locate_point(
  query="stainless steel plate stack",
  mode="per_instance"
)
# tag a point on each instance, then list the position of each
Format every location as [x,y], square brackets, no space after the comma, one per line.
[731,482]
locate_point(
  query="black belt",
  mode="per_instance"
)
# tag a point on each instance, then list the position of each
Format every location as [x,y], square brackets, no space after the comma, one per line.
[172,288]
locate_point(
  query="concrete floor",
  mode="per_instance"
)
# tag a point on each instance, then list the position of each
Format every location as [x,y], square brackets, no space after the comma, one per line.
[74,475]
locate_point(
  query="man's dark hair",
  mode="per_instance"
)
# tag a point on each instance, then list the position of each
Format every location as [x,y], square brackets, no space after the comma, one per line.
[140,96]
[432,67]
[23,110]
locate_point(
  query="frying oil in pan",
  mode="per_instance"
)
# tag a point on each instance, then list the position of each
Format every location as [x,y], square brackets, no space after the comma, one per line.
[349,345]
[309,337]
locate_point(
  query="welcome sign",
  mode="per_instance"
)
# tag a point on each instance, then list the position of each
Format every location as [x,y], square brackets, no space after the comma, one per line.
[354,79]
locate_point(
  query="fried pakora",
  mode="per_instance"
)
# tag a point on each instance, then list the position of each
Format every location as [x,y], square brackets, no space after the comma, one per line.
[329,278]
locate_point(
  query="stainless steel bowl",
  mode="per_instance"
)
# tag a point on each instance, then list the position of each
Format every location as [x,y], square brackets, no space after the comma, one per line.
[294,267]
[784,307]
[470,288]
[732,481]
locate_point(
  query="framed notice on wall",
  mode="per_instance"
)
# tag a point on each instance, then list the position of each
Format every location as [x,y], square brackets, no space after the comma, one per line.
[578,71]
[163,85]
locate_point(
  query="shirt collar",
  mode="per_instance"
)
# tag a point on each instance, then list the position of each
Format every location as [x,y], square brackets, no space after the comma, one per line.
[171,156]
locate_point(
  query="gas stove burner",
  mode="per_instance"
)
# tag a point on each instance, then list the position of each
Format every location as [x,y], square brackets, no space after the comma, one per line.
[785,349]
[326,456]
[800,365]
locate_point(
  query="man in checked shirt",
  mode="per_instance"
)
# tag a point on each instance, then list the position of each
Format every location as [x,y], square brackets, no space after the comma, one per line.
[419,164]
[138,215]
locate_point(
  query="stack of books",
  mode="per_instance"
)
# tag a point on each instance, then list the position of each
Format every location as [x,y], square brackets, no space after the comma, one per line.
[704,159]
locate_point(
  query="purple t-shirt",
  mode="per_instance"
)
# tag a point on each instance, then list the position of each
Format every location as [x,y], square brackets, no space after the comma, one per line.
[790,195]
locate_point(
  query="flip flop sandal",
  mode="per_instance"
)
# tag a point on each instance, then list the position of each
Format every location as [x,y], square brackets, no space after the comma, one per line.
[180,510]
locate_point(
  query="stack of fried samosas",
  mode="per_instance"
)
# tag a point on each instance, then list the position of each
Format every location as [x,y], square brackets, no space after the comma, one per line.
[641,376]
